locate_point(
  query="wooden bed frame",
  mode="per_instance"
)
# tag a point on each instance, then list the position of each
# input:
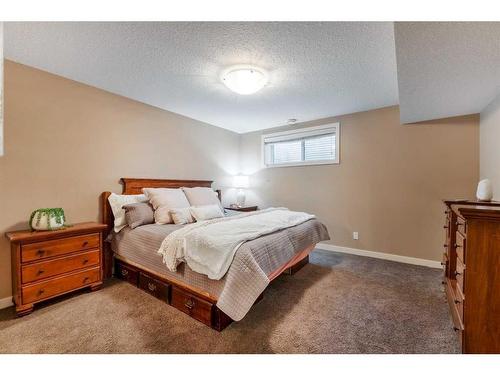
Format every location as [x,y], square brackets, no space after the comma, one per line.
[197,303]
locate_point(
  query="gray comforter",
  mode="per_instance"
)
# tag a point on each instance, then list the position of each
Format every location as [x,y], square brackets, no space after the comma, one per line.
[247,276]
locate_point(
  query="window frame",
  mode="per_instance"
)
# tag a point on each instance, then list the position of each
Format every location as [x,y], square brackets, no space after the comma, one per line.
[335,125]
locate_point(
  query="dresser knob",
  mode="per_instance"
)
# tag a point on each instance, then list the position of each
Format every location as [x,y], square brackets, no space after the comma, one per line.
[124,272]
[443,263]
[457,246]
[85,243]
[85,279]
[445,245]
[41,291]
[85,261]
[151,287]
[189,304]
[40,252]
[445,226]
[40,272]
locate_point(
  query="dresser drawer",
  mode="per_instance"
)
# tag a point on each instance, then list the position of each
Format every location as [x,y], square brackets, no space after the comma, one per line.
[59,285]
[461,226]
[455,315]
[195,307]
[48,268]
[126,273]
[157,288]
[47,249]
[460,275]
[460,246]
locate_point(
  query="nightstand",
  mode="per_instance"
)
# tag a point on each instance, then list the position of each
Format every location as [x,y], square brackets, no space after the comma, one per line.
[243,209]
[47,264]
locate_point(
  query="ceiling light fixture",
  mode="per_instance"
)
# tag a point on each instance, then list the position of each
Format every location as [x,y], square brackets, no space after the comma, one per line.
[244,79]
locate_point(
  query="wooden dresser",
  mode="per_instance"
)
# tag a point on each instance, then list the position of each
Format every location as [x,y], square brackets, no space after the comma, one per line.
[51,263]
[472,273]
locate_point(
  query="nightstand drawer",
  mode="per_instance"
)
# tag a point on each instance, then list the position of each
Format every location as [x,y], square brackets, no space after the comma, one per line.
[41,270]
[47,249]
[59,285]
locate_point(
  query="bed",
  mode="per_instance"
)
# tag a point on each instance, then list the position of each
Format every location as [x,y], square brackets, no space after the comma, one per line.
[132,255]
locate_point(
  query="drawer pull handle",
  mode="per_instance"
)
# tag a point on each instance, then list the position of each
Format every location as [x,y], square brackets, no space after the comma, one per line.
[85,243]
[86,279]
[189,304]
[40,252]
[124,272]
[457,246]
[41,291]
[443,263]
[151,287]
[445,226]
[85,261]
[445,245]
[40,272]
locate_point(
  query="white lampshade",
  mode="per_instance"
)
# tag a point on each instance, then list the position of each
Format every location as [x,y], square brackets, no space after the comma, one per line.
[240,182]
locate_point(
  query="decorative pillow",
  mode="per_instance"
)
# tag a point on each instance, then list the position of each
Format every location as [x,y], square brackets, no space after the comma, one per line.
[206,212]
[201,196]
[117,202]
[163,200]
[137,214]
[181,216]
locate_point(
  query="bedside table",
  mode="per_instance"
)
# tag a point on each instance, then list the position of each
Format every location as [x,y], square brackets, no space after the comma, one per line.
[47,264]
[243,209]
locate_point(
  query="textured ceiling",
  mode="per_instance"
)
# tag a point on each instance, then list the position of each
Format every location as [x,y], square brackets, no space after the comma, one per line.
[446,69]
[316,69]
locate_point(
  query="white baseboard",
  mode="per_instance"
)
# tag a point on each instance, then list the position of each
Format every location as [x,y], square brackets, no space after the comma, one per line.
[5,302]
[375,254]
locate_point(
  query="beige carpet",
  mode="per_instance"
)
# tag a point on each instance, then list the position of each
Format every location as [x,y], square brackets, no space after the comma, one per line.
[336,304]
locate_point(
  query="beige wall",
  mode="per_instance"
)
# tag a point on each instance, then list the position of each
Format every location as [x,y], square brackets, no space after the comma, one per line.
[490,145]
[388,185]
[66,142]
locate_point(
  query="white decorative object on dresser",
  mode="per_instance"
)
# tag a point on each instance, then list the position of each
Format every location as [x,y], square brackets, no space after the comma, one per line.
[484,190]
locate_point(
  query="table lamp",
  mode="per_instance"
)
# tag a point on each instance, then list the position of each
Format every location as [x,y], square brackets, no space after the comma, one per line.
[240,182]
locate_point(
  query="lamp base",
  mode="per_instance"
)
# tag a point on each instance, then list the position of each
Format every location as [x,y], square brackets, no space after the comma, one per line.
[240,198]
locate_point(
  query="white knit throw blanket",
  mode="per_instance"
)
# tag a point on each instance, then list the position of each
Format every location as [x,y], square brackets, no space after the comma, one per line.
[208,247]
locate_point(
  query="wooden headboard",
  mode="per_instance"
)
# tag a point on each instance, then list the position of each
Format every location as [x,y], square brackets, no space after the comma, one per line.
[135,186]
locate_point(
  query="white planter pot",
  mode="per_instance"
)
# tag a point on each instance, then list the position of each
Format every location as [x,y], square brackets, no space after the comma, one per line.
[41,221]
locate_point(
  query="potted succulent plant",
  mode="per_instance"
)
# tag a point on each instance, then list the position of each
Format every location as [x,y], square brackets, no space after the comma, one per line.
[47,219]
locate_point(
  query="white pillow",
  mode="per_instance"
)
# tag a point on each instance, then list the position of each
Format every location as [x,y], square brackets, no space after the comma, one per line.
[201,196]
[181,216]
[163,200]
[117,201]
[212,211]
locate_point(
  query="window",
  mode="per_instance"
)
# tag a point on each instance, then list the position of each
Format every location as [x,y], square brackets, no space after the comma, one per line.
[307,146]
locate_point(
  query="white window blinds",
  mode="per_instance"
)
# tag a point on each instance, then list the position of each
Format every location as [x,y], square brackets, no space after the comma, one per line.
[315,145]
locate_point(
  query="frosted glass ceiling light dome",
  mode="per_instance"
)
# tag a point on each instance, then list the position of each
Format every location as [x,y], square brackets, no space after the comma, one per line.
[244,79]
